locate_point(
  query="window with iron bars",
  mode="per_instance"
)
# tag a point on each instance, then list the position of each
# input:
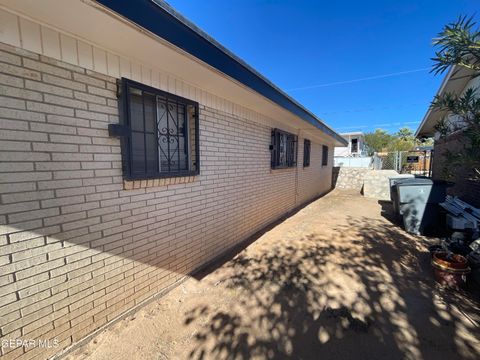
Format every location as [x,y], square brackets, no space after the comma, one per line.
[324,155]
[284,149]
[159,133]
[306,153]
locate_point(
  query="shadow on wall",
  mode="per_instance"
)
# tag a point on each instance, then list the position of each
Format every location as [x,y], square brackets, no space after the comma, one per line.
[106,262]
[465,187]
[370,296]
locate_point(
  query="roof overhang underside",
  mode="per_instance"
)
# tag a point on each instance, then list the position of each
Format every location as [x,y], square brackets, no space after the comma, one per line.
[160,19]
[455,82]
[148,34]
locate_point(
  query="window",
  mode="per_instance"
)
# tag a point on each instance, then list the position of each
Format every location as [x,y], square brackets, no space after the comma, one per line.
[324,155]
[160,133]
[306,153]
[284,149]
[354,146]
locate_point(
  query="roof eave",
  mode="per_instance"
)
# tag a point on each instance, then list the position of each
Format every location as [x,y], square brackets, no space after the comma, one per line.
[454,81]
[160,19]
[429,111]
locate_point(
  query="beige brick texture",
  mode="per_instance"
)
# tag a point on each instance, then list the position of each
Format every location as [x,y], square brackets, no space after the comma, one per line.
[78,245]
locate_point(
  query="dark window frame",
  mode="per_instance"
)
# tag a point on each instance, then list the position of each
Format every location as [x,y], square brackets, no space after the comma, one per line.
[324,155]
[354,149]
[126,143]
[307,146]
[291,149]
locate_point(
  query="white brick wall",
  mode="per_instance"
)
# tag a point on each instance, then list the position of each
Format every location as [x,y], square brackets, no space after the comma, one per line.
[76,249]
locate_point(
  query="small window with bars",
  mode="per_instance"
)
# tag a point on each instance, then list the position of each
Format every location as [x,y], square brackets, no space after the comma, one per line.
[324,155]
[306,153]
[284,149]
[160,133]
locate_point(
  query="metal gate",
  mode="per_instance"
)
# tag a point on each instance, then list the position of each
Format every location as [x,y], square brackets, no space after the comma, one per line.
[415,162]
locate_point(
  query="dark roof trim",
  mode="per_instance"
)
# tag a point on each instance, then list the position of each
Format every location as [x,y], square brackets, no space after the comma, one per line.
[159,18]
[455,81]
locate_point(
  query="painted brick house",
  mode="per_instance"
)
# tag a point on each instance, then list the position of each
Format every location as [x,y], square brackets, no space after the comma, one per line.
[134,149]
[456,81]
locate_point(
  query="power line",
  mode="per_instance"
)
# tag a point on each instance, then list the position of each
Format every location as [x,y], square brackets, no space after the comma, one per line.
[383,125]
[358,80]
[373,108]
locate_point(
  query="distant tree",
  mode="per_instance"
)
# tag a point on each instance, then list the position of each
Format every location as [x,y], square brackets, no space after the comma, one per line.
[459,46]
[377,141]
[403,140]
[426,142]
[380,140]
[405,134]
[399,144]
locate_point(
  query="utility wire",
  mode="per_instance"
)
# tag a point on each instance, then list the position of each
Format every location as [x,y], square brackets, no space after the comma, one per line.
[384,125]
[373,108]
[358,80]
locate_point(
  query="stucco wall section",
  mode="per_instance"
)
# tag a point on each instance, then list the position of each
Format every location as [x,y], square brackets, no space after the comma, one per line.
[77,249]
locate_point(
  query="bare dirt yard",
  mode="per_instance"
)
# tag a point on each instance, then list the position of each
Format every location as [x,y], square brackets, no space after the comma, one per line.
[336,280]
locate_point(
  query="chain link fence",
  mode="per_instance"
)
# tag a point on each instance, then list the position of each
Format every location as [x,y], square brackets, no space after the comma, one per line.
[404,162]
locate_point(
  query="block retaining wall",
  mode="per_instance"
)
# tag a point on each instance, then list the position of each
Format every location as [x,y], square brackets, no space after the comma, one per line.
[371,183]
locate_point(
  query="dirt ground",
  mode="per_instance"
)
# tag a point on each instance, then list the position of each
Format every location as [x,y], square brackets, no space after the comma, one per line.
[337,280]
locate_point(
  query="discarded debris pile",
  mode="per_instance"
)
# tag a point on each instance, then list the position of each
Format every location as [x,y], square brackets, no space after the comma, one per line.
[459,253]
[462,216]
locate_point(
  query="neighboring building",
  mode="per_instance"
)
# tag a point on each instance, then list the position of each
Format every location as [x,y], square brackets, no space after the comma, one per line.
[456,81]
[355,147]
[134,150]
[354,154]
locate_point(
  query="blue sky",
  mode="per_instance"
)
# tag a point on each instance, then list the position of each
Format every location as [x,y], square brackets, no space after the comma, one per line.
[313,49]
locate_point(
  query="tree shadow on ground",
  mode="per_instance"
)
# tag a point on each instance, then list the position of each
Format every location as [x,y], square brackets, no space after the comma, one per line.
[432,224]
[363,291]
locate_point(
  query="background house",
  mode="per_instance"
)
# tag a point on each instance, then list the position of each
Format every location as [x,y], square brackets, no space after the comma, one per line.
[355,147]
[456,81]
[354,154]
[134,150]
